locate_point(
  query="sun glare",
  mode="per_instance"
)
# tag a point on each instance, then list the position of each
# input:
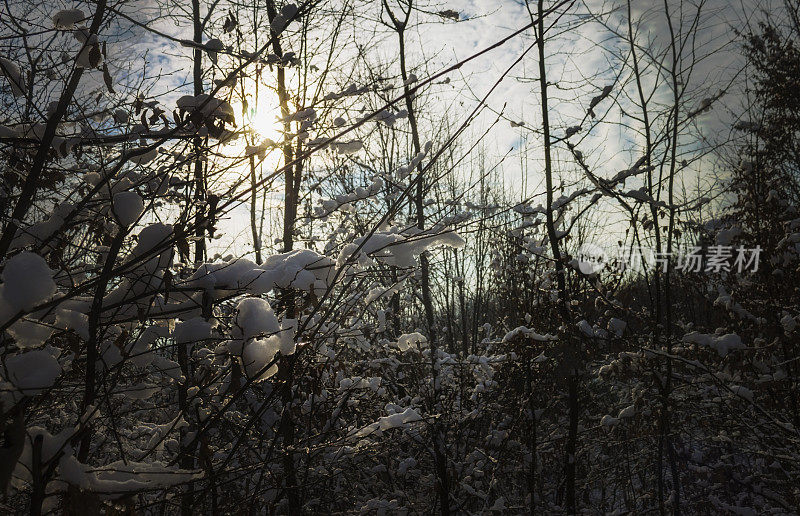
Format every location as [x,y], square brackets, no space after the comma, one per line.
[264,121]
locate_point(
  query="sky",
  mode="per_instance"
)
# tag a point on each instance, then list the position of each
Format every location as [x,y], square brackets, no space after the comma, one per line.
[583,56]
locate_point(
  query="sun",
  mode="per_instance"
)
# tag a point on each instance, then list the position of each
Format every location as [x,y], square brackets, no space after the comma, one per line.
[263,120]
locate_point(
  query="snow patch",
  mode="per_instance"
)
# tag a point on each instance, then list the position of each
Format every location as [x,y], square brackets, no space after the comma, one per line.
[27,281]
[32,371]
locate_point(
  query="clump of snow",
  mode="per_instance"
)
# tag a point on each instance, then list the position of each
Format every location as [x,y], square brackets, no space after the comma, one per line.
[722,343]
[617,326]
[389,422]
[348,147]
[27,281]
[151,238]
[724,299]
[283,18]
[357,382]
[407,340]
[351,90]
[127,207]
[360,193]
[309,114]
[412,78]
[27,331]
[287,343]
[32,371]
[389,118]
[586,328]
[140,351]
[44,229]
[67,18]
[212,47]
[255,318]
[382,507]
[89,56]
[258,337]
[609,421]
[789,323]
[401,248]
[405,170]
[499,505]
[259,150]
[742,392]
[405,465]
[194,330]
[301,269]
[524,331]
[208,106]
[380,291]
[84,35]
[68,319]
[61,145]
[14,76]
[121,476]
[641,195]
[257,355]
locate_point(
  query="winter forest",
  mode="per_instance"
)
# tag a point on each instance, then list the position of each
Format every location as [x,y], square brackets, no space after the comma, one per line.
[399,257]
